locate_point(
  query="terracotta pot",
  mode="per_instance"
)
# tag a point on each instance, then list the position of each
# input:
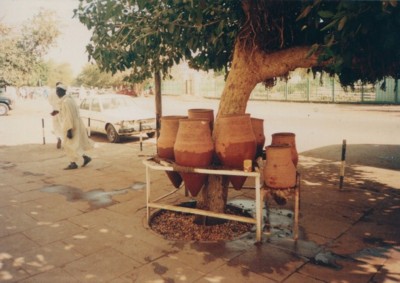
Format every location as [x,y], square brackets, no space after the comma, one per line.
[235,142]
[258,129]
[279,170]
[194,148]
[287,138]
[165,144]
[202,114]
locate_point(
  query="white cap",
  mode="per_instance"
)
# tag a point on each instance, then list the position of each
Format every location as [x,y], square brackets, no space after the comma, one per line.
[61,86]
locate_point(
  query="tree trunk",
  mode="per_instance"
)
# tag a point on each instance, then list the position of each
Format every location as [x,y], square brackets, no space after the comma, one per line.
[249,67]
[158,102]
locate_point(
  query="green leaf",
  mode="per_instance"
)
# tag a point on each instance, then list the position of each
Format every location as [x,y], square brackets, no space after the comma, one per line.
[312,50]
[326,14]
[330,25]
[342,23]
[304,13]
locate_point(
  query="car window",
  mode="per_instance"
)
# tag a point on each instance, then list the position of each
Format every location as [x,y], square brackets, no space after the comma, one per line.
[85,104]
[114,102]
[96,105]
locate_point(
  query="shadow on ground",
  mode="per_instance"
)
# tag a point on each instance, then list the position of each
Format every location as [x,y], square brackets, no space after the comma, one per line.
[374,155]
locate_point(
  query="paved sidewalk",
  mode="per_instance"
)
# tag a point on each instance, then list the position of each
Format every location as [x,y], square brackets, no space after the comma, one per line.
[89,225]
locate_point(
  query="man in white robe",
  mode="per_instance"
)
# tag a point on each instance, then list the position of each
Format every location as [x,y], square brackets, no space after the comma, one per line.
[75,137]
[55,101]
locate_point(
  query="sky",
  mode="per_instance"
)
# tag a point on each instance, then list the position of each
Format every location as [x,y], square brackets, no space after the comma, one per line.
[70,46]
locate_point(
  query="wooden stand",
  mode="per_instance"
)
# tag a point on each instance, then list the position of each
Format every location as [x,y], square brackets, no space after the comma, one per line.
[155,204]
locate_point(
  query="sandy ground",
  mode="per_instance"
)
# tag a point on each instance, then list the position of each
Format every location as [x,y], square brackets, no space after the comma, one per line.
[315,125]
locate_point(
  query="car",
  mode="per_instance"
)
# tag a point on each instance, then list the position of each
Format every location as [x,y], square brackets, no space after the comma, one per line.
[117,116]
[6,104]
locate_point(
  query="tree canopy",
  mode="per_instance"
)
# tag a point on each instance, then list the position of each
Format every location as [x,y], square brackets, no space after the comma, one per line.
[22,51]
[254,41]
[357,40]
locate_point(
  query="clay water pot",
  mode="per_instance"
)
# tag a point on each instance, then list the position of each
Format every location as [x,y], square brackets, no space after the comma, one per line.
[234,143]
[194,148]
[202,114]
[287,138]
[279,170]
[258,129]
[165,144]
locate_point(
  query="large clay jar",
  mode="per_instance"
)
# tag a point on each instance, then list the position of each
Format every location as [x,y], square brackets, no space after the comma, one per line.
[287,138]
[279,170]
[194,148]
[202,114]
[234,143]
[165,144]
[258,129]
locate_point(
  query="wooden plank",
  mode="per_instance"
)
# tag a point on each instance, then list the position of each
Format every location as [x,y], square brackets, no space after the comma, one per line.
[156,166]
[202,212]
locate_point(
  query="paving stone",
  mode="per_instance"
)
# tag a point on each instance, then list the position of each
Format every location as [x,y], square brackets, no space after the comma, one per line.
[101,266]
[54,275]
[45,258]
[228,274]
[94,239]
[163,270]
[268,261]
[49,232]
[351,271]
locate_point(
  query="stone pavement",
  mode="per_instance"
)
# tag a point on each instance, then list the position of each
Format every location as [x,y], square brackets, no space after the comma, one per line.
[89,224]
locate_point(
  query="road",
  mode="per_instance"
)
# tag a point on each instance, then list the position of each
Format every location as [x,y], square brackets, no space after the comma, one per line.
[315,125]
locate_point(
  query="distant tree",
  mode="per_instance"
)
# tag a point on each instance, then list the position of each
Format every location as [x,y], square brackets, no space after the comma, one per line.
[22,51]
[57,72]
[254,41]
[92,76]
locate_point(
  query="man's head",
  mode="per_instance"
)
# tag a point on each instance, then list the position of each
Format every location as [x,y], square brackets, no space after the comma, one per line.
[61,90]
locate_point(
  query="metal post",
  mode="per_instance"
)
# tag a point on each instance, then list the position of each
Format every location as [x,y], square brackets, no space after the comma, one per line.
[258,209]
[89,131]
[141,136]
[148,194]
[296,208]
[343,164]
[44,139]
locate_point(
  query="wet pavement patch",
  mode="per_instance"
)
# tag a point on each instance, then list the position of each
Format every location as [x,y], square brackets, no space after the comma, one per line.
[97,198]
[327,259]
[278,221]
[138,186]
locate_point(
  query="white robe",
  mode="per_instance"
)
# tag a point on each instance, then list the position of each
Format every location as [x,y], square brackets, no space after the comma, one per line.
[70,119]
[55,101]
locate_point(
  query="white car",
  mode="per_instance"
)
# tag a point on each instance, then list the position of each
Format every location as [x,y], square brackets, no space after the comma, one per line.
[116,115]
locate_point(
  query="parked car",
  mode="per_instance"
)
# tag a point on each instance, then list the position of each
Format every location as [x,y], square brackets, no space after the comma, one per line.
[6,104]
[116,116]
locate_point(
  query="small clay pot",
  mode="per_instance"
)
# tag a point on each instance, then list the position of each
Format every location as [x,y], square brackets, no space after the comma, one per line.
[287,138]
[199,113]
[194,148]
[279,170]
[234,143]
[165,144]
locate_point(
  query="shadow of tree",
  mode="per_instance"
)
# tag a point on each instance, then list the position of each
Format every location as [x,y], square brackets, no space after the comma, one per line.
[353,230]
[374,155]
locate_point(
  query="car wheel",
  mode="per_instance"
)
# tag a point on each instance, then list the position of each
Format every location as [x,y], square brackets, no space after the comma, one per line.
[151,134]
[112,134]
[3,109]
